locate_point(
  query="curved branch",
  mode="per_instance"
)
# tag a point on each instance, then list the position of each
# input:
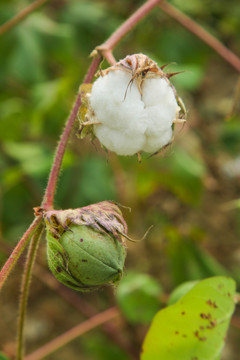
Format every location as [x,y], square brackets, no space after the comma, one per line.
[21,16]
[19,249]
[25,290]
[114,39]
[73,333]
[47,202]
[48,198]
[107,46]
[202,34]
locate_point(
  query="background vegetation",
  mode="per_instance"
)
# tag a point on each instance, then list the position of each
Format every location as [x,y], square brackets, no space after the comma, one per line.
[189,194]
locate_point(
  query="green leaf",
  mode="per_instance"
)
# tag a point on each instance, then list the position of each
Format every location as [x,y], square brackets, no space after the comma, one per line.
[41,23]
[180,291]
[138,297]
[195,327]
[194,262]
[26,61]
[33,158]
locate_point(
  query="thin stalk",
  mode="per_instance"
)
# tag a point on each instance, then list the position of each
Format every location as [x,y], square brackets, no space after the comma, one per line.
[124,29]
[8,266]
[47,202]
[25,290]
[197,30]
[84,307]
[73,333]
[20,16]
[107,46]
[48,198]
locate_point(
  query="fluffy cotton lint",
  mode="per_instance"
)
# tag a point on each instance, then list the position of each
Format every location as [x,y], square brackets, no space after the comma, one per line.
[131,122]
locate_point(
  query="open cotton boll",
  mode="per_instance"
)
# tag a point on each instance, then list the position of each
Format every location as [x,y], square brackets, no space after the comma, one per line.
[110,105]
[132,107]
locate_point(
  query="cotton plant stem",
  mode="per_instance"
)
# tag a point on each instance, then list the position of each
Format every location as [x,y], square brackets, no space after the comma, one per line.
[73,333]
[207,38]
[8,25]
[48,198]
[127,26]
[109,57]
[73,299]
[8,266]
[25,290]
[107,46]
[47,203]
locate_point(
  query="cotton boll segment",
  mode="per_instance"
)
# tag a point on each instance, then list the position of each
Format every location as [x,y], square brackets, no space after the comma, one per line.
[133,106]
[119,141]
[154,143]
[157,92]
[111,107]
[122,125]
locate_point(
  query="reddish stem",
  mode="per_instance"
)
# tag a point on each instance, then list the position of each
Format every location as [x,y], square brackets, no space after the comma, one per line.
[109,56]
[73,333]
[48,198]
[106,47]
[53,177]
[25,290]
[196,29]
[20,16]
[18,250]
[47,203]
[114,39]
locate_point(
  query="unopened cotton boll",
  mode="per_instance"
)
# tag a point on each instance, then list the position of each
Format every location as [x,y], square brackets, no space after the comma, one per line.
[133,107]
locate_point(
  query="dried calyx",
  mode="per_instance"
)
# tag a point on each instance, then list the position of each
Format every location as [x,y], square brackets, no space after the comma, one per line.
[86,246]
[131,107]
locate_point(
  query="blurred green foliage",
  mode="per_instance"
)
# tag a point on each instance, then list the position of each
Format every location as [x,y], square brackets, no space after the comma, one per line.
[183,193]
[3,357]
[138,297]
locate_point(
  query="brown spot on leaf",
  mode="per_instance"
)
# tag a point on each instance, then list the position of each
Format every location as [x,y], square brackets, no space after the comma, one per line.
[206,316]
[212,304]
[183,313]
[81,240]
[212,324]
[84,260]
[200,338]
[184,335]
[176,332]
[58,269]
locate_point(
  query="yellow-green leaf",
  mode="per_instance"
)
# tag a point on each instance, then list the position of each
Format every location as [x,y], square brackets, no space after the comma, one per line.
[195,327]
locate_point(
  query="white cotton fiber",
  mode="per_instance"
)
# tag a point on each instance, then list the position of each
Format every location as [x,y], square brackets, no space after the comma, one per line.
[131,122]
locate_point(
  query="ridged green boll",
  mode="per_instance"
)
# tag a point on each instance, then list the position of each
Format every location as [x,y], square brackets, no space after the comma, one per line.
[85,247]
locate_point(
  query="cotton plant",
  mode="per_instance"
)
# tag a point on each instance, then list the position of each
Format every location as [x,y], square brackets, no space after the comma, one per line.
[132,107]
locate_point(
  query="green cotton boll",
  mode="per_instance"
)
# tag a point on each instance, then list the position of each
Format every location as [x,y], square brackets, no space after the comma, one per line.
[85,259]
